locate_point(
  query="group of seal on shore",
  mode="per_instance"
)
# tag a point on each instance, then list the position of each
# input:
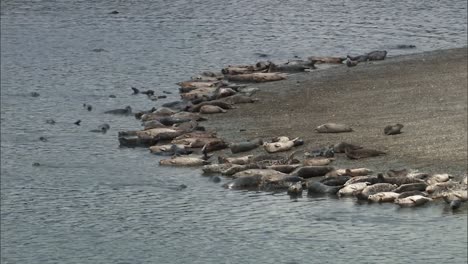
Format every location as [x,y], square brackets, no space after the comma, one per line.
[174,130]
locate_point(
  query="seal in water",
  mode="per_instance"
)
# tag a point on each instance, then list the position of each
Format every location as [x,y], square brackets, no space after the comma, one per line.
[315,187]
[50,121]
[393,129]
[126,111]
[295,189]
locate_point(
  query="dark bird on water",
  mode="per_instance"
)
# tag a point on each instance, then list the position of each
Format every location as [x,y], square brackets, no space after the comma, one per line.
[77,122]
[135,90]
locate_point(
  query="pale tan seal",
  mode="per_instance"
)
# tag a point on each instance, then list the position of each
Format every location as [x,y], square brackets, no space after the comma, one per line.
[333,128]
[211,109]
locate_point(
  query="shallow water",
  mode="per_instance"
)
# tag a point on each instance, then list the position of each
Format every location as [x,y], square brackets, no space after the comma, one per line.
[93,202]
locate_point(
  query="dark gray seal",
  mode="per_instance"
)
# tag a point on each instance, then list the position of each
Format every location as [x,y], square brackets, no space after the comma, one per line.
[126,111]
[312,171]
[245,146]
[246,182]
[362,153]
[335,181]
[315,187]
[341,147]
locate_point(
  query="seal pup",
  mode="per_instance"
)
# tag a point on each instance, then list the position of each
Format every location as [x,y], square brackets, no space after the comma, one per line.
[126,111]
[333,128]
[393,129]
[362,153]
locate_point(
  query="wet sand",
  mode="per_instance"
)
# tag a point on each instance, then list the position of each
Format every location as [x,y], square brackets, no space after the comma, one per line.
[425,92]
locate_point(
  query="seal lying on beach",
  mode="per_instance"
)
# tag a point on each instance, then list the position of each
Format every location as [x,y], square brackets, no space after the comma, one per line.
[374,189]
[211,109]
[184,161]
[412,201]
[340,147]
[383,197]
[333,128]
[282,144]
[362,153]
[393,129]
[353,188]
[245,146]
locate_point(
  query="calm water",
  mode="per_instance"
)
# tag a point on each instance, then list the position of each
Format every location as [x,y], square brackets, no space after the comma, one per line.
[92,202]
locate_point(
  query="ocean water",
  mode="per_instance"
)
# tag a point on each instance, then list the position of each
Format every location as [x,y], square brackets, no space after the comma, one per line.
[93,202]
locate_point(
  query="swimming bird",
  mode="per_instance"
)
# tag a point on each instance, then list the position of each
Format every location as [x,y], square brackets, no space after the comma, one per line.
[77,122]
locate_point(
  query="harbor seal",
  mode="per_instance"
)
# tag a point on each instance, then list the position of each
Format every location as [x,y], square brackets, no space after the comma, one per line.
[383,197]
[312,171]
[282,144]
[412,201]
[126,111]
[184,161]
[341,147]
[315,187]
[353,188]
[295,189]
[211,109]
[333,128]
[374,189]
[245,146]
[362,153]
[393,129]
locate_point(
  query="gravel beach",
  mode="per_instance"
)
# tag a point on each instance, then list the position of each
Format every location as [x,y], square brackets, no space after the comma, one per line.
[426,92]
